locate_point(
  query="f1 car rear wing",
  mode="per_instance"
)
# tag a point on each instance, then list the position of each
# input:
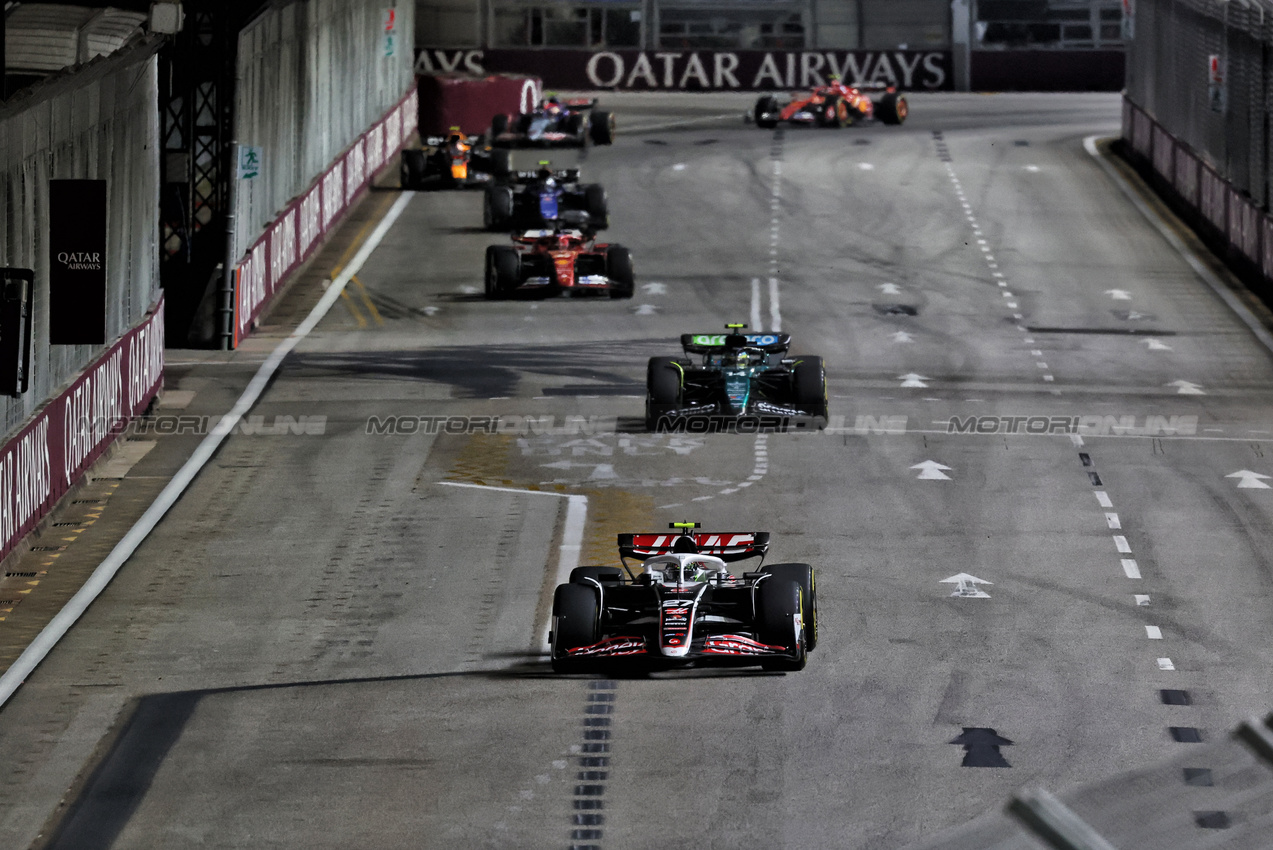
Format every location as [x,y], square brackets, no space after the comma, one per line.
[580,102]
[707,343]
[565,174]
[728,546]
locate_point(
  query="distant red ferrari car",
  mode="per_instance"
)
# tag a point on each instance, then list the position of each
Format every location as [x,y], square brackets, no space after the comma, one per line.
[834,105]
[554,261]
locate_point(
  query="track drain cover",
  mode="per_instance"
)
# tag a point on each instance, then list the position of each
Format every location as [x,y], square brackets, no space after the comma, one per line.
[895,309]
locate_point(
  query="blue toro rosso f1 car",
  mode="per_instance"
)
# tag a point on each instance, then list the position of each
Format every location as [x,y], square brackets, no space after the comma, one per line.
[685,607]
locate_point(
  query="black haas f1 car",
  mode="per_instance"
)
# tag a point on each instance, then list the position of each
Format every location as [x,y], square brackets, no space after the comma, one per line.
[455,160]
[685,608]
[544,198]
[834,105]
[738,377]
[557,261]
[571,122]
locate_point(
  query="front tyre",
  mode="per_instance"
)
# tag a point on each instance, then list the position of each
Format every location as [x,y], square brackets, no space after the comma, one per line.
[801,574]
[503,270]
[619,270]
[892,108]
[575,618]
[497,207]
[779,603]
[602,128]
[413,169]
[809,386]
[766,111]
[662,390]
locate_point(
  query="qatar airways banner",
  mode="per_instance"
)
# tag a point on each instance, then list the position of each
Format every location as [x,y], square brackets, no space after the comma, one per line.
[297,232]
[40,463]
[699,70]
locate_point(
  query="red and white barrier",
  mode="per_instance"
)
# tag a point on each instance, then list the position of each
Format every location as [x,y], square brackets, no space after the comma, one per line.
[41,462]
[294,235]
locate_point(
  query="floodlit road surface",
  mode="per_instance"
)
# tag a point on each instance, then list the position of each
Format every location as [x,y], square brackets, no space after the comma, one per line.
[1040,505]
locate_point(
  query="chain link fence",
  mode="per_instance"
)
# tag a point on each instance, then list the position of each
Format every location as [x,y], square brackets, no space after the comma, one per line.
[312,76]
[1196,118]
[100,124]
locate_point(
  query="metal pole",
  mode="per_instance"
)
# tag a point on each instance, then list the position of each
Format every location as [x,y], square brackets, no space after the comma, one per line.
[226,299]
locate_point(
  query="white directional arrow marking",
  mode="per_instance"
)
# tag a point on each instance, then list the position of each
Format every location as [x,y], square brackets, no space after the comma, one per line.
[430,310]
[913,380]
[889,289]
[1119,294]
[931,470]
[468,290]
[902,336]
[1187,388]
[1156,344]
[866,166]
[647,310]
[1248,480]
[655,288]
[1133,316]
[968,586]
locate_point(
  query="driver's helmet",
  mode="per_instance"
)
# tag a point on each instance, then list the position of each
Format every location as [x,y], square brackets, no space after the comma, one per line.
[743,360]
[833,80]
[690,572]
[551,104]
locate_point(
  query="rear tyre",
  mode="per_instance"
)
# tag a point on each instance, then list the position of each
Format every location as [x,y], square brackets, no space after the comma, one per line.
[575,616]
[497,208]
[503,270]
[810,385]
[619,270]
[602,128]
[413,167]
[766,105]
[597,205]
[662,390]
[605,575]
[801,574]
[892,108]
[778,602]
[501,164]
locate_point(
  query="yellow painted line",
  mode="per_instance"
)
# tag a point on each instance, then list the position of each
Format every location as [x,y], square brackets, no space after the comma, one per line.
[349,303]
[366,299]
[353,246]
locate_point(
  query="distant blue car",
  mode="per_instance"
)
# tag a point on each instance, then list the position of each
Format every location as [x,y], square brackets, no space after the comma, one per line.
[572,122]
[544,198]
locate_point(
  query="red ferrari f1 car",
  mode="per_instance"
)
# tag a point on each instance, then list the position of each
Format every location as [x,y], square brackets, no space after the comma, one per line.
[685,608]
[833,105]
[555,261]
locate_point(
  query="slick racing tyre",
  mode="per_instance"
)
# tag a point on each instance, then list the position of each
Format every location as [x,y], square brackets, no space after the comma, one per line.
[801,574]
[497,208]
[501,164]
[836,113]
[503,270]
[810,385]
[662,390]
[575,615]
[605,575]
[499,125]
[778,601]
[619,270]
[766,105]
[892,108]
[413,168]
[602,128]
[596,205]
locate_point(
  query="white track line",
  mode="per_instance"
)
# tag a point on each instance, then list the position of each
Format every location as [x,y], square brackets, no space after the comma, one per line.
[106,570]
[1217,286]
[571,535]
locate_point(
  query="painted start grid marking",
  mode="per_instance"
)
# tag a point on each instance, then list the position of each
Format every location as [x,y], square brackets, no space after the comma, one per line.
[587,817]
[1196,776]
[1008,298]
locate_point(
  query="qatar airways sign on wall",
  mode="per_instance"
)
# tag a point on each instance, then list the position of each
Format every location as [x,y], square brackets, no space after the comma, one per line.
[700,70]
[41,462]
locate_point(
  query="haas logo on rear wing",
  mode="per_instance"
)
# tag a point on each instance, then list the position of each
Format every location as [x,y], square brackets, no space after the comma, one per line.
[728,546]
